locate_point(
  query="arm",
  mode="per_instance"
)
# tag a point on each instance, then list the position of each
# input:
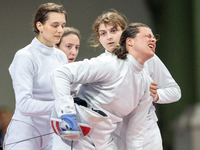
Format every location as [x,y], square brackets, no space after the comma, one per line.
[168,90]
[78,72]
[22,73]
[87,71]
[137,123]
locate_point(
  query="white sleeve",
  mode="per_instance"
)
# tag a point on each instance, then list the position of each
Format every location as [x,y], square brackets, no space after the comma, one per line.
[137,123]
[81,72]
[168,90]
[22,72]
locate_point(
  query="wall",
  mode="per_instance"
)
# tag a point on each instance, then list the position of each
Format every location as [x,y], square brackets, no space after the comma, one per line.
[16,29]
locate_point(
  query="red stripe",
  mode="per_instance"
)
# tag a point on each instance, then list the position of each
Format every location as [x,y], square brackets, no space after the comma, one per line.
[57,126]
[85,130]
[53,127]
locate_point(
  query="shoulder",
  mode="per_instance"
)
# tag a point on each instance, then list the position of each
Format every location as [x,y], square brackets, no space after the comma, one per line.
[24,53]
[104,66]
[108,66]
[107,61]
[23,60]
[154,59]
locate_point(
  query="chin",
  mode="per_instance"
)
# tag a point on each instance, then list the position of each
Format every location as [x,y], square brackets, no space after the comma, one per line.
[56,41]
[151,55]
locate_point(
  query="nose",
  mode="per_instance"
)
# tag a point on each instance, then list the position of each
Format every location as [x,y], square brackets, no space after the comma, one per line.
[60,29]
[109,36]
[74,51]
[153,39]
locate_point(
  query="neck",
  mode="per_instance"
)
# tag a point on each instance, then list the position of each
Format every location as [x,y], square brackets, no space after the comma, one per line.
[44,42]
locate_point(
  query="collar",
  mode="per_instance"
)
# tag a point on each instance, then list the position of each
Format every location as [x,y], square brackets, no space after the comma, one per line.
[41,47]
[107,52]
[134,64]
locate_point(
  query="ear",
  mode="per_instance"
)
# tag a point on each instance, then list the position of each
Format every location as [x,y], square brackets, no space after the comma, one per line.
[39,26]
[129,41]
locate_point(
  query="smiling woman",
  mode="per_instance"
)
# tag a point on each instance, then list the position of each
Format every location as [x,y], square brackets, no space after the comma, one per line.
[30,71]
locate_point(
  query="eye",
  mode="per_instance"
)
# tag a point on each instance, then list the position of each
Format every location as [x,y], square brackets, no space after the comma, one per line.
[150,36]
[77,48]
[69,46]
[114,30]
[102,33]
[55,26]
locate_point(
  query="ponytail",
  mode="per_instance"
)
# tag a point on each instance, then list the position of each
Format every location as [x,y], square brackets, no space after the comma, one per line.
[120,51]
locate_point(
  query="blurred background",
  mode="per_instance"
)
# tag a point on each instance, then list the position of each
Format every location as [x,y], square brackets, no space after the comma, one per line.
[176,21]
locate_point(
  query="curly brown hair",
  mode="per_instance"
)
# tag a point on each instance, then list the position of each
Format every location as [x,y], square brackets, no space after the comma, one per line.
[110,17]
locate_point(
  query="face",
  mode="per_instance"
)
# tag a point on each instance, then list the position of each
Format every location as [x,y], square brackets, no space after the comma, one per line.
[109,36]
[52,30]
[70,46]
[143,45]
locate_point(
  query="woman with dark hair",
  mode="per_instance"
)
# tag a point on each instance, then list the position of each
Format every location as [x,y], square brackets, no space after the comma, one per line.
[106,86]
[30,71]
[163,89]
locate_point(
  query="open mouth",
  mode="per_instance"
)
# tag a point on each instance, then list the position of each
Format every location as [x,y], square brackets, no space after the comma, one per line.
[152,47]
[71,59]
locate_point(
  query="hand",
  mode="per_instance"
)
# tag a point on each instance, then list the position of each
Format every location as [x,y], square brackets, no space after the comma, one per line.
[69,128]
[69,122]
[153,89]
[64,119]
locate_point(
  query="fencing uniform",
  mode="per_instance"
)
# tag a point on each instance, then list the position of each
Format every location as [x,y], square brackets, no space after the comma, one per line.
[118,87]
[30,73]
[168,91]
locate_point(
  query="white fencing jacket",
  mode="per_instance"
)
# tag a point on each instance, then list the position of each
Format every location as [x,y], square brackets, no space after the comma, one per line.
[30,73]
[168,91]
[118,87]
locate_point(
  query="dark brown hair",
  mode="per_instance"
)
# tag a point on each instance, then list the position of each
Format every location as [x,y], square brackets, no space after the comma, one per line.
[41,14]
[130,32]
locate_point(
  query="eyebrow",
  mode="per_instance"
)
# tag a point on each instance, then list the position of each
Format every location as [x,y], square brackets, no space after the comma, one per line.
[101,30]
[109,29]
[71,44]
[58,22]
